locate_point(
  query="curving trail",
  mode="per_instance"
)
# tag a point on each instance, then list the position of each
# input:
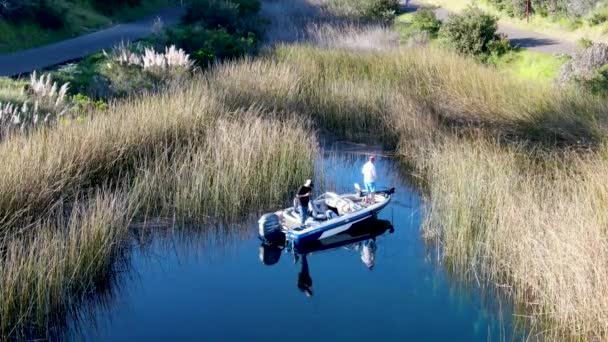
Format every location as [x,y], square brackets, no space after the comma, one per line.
[518,37]
[46,56]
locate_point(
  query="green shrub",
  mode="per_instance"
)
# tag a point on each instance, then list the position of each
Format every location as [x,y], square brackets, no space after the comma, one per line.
[219,44]
[48,14]
[600,15]
[556,8]
[125,80]
[499,46]
[425,20]
[598,84]
[83,76]
[474,33]
[188,38]
[82,104]
[584,43]
[380,9]
[213,14]
[16,11]
[248,7]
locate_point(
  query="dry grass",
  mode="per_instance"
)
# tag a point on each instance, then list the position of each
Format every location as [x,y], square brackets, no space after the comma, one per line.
[240,166]
[45,274]
[353,37]
[180,154]
[538,229]
[512,170]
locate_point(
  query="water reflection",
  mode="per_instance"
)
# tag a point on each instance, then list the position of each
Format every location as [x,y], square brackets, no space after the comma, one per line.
[197,284]
[361,238]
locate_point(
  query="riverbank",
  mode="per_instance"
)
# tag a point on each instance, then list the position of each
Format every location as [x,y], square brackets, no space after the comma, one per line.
[191,162]
[500,159]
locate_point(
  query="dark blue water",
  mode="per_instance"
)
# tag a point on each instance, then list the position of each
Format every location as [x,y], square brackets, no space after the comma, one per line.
[212,286]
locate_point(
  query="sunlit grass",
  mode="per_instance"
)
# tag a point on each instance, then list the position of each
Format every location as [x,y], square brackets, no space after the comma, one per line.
[531,65]
[510,198]
[560,28]
[513,170]
[180,155]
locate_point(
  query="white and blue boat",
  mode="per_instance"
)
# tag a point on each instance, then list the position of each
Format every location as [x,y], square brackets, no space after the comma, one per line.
[329,214]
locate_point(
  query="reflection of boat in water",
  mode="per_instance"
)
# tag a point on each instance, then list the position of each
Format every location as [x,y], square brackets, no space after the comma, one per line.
[331,214]
[362,235]
[364,231]
[270,253]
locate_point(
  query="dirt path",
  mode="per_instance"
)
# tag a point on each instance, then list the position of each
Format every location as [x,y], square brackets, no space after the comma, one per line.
[518,37]
[43,57]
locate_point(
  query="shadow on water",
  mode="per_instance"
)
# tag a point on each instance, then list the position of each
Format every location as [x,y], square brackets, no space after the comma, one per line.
[378,280]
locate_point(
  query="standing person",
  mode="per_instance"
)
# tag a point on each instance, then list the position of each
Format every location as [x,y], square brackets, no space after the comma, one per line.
[303,198]
[369,178]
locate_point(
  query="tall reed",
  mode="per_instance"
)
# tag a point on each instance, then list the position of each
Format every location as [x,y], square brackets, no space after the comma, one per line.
[512,170]
[43,275]
[242,165]
[179,154]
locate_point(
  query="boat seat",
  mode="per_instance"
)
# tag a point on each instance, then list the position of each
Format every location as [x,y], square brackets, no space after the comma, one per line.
[343,206]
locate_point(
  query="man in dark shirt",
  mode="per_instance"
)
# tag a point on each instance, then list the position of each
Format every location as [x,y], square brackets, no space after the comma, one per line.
[303,197]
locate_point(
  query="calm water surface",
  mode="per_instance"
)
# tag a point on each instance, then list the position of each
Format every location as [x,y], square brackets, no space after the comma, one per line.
[212,286]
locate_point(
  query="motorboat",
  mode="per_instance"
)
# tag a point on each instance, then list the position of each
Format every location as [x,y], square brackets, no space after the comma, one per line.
[362,231]
[329,214]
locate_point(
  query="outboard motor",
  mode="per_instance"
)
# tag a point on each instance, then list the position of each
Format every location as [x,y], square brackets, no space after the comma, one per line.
[269,228]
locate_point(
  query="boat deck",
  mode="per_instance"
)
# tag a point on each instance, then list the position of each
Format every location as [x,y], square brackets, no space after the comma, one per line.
[289,225]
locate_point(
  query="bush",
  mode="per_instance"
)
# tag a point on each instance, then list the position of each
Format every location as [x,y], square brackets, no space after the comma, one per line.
[46,13]
[425,20]
[213,14]
[219,44]
[248,7]
[584,43]
[474,33]
[125,80]
[381,9]
[598,83]
[16,11]
[83,76]
[50,16]
[600,15]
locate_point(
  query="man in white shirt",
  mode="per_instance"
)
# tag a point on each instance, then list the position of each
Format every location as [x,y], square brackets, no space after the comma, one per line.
[369,178]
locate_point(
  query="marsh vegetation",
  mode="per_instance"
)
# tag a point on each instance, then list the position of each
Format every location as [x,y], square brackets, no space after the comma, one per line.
[512,170]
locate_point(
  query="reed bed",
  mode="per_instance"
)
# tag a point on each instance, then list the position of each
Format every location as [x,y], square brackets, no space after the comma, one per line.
[44,275]
[512,170]
[68,194]
[538,231]
[240,166]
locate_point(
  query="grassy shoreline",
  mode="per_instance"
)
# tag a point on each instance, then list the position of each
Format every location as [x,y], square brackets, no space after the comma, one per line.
[513,170]
[180,154]
[485,144]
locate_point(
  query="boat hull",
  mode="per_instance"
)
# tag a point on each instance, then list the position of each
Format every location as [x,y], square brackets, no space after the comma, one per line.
[335,227]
